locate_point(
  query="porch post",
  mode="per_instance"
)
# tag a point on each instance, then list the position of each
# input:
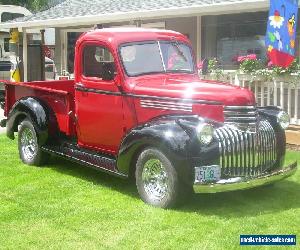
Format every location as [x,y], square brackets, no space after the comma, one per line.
[42,55]
[25,61]
[198,34]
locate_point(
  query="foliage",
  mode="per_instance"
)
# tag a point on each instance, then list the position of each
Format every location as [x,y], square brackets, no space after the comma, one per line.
[249,63]
[33,5]
[293,68]
[214,67]
[66,206]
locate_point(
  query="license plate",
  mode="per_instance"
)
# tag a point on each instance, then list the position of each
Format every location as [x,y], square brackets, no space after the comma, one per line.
[207,174]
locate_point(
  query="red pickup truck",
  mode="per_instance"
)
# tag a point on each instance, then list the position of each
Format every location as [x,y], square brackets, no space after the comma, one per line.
[138,108]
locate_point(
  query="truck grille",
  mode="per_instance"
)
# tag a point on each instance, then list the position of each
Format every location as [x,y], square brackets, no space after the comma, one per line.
[243,117]
[245,153]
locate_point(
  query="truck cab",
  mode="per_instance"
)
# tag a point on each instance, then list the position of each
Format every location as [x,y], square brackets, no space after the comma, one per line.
[137,108]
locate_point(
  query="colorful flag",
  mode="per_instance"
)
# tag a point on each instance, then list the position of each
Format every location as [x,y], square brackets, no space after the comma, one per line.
[281,31]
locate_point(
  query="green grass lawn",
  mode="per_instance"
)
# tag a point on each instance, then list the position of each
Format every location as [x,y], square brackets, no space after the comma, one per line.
[64,205]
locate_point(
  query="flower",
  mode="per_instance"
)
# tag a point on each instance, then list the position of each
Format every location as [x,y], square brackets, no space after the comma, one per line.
[234,58]
[200,64]
[270,48]
[270,64]
[251,57]
[292,44]
[247,57]
[276,20]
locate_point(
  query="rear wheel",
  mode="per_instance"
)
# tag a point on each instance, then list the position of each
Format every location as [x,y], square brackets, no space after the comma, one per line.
[30,151]
[156,179]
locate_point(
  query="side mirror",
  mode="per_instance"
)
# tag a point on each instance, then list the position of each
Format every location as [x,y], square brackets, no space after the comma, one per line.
[109,72]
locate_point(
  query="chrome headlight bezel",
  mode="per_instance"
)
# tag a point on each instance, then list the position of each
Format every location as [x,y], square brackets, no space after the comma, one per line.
[205,133]
[283,119]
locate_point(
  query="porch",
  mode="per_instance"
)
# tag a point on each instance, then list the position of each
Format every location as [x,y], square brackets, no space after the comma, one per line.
[283,92]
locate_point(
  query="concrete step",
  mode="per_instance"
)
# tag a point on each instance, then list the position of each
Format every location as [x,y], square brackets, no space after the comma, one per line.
[293,135]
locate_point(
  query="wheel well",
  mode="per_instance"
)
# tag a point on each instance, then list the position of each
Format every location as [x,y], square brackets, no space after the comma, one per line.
[134,160]
[18,120]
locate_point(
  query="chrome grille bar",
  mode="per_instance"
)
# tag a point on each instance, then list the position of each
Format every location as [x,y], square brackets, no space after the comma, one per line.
[246,154]
[243,117]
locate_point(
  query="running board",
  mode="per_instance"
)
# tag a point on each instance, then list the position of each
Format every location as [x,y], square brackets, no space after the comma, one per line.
[96,161]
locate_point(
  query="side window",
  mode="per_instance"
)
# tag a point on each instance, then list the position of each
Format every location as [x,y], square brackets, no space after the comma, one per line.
[7,16]
[98,62]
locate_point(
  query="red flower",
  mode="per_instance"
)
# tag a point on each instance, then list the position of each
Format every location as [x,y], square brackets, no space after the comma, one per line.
[247,57]
[270,64]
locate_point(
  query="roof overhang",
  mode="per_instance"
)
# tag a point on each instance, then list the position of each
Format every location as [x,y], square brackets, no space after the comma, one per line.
[209,9]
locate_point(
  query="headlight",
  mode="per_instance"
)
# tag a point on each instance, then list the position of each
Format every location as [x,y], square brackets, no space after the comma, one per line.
[283,119]
[205,133]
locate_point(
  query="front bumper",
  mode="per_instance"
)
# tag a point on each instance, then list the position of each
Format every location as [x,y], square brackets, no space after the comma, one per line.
[238,183]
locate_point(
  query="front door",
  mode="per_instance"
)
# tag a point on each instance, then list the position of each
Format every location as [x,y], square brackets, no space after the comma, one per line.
[98,101]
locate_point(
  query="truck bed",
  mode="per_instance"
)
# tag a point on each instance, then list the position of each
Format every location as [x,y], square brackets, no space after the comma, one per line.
[57,95]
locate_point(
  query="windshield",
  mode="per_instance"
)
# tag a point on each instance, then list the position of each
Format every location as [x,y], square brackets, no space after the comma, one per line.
[156,57]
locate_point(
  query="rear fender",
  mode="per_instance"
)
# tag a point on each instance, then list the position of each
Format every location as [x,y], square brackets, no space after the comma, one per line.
[36,111]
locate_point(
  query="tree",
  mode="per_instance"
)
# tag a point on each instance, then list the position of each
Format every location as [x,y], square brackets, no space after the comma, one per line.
[33,5]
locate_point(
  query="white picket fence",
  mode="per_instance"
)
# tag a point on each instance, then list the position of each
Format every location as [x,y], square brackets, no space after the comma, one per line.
[283,92]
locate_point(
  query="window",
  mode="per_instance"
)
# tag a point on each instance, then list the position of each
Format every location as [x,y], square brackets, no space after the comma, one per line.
[7,16]
[228,36]
[97,62]
[6,44]
[141,59]
[177,57]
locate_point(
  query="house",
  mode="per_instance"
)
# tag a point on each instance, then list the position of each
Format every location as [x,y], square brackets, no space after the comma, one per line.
[217,28]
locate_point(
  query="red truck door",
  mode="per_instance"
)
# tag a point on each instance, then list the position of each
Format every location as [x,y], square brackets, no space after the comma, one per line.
[98,100]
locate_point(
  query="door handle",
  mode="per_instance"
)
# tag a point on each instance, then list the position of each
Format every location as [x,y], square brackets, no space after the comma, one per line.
[80,85]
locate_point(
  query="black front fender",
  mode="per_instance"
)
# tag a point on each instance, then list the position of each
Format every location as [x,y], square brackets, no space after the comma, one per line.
[175,137]
[33,109]
[166,136]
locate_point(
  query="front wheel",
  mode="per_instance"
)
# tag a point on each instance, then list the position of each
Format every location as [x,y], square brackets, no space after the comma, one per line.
[156,179]
[29,149]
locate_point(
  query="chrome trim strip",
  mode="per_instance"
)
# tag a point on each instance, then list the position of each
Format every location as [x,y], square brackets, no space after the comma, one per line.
[243,118]
[227,112]
[166,105]
[238,183]
[238,107]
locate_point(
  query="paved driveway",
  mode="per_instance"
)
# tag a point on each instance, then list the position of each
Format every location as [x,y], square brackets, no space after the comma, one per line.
[2,130]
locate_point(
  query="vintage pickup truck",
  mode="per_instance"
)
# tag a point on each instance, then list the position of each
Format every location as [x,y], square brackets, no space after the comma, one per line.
[137,108]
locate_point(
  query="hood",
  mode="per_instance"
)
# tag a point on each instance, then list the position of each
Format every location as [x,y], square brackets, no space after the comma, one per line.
[191,87]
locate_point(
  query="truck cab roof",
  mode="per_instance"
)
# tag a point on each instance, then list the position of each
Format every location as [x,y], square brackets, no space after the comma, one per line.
[119,36]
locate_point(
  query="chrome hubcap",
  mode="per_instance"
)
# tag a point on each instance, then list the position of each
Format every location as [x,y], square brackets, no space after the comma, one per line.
[155,179]
[28,144]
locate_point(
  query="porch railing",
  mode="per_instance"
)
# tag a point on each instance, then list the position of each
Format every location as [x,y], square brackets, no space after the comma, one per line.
[283,92]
